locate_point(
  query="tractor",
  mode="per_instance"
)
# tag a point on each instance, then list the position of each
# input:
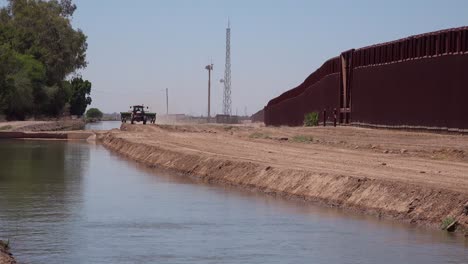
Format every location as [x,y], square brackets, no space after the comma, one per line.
[137,114]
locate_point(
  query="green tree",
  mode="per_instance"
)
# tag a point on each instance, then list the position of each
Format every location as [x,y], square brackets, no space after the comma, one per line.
[24,76]
[7,63]
[80,91]
[57,96]
[43,30]
[39,48]
[94,113]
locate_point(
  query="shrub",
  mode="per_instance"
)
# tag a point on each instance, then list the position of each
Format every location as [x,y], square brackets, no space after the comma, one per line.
[311,119]
[5,244]
[446,222]
[303,139]
[94,113]
[259,135]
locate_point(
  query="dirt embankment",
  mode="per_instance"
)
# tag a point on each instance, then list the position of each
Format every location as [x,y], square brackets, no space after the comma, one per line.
[390,174]
[5,256]
[39,126]
[64,130]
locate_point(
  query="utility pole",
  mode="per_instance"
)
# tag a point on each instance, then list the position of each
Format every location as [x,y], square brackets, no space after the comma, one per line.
[209,68]
[167,101]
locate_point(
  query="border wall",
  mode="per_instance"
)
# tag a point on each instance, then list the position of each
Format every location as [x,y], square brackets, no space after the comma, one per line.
[258,117]
[416,82]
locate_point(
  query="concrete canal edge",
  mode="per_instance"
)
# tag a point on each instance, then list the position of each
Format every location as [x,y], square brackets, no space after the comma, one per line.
[408,203]
[5,255]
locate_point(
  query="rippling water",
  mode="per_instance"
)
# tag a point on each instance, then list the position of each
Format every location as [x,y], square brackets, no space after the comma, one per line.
[78,203]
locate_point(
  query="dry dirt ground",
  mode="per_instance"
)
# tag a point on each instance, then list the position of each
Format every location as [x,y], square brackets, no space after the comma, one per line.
[37,126]
[5,256]
[343,166]
[421,158]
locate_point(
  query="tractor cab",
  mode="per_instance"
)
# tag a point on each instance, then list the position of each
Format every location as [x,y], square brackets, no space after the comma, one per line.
[138,109]
[137,114]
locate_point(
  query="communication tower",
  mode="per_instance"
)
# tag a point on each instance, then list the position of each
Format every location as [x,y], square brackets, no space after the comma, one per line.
[227,74]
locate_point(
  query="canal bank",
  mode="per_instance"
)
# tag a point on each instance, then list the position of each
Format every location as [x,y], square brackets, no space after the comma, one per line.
[62,129]
[63,135]
[5,255]
[43,126]
[54,130]
[343,182]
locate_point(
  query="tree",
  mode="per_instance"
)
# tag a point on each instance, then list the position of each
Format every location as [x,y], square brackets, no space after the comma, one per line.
[24,75]
[94,113]
[7,62]
[68,8]
[43,30]
[39,48]
[80,91]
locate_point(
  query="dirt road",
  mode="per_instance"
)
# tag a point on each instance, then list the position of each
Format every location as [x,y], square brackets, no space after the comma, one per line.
[401,174]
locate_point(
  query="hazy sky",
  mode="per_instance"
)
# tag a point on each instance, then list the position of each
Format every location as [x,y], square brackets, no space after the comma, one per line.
[138,48]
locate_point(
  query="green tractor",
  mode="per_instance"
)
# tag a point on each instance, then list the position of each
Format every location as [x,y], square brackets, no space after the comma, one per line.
[137,114]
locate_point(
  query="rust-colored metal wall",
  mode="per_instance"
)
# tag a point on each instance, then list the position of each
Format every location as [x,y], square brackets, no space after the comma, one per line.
[318,92]
[331,66]
[418,81]
[322,95]
[427,92]
[258,117]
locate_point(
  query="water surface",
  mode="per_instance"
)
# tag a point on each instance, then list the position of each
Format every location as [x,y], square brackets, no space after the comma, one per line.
[103,125]
[78,203]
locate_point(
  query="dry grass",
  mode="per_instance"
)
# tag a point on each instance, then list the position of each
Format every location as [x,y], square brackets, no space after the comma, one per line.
[303,139]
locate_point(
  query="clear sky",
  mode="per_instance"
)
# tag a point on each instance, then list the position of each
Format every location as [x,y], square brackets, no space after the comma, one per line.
[138,48]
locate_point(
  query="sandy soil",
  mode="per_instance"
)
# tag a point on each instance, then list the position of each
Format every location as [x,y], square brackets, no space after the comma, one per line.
[36,126]
[5,255]
[417,177]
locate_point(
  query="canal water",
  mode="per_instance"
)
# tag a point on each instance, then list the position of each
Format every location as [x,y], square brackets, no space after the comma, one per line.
[70,202]
[103,125]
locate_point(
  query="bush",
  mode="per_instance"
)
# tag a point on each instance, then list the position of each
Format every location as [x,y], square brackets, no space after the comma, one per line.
[446,222]
[311,119]
[5,244]
[303,139]
[259,135]
[94,114]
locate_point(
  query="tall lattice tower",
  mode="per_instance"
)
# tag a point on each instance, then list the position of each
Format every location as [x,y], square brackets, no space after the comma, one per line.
[227,74]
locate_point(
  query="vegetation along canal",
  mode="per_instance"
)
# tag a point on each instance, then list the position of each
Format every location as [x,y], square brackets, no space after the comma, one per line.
[70,202]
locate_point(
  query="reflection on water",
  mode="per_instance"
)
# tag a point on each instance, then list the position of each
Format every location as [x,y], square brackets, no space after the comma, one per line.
[77,203]
[103,125]
[40,193]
